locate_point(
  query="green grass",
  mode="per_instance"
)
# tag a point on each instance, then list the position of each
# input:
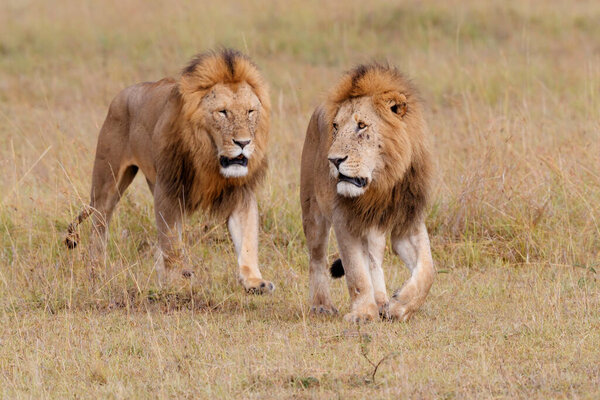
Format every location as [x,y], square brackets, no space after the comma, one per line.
[513,95]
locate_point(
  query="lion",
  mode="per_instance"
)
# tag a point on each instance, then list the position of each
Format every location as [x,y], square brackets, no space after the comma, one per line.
[201,143]
[366,170]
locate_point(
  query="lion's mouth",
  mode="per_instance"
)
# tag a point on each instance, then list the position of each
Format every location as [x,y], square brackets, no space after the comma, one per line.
[358,182]
[239,160]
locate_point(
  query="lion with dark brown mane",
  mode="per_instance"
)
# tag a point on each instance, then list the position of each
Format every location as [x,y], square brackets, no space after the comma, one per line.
[200,142]
[366,171]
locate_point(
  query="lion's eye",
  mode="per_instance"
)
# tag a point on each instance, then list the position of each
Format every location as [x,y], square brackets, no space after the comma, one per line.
[362,125]
[335,127]
[251,112]
[223,112]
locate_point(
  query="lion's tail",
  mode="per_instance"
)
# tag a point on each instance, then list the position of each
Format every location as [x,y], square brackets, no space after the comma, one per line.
[72,235]
[337,269]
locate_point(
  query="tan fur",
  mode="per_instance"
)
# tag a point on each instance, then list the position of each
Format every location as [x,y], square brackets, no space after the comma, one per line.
[176,132]
[372,123]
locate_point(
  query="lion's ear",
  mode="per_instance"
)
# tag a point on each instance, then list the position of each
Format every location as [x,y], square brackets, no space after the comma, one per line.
[399,106]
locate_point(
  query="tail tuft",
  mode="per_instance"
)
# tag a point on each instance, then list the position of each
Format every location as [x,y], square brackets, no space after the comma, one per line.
[72,235]
[71,239]
[337,269]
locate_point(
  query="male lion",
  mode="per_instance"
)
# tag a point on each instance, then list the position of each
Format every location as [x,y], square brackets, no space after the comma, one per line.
[366,170]
[200,142]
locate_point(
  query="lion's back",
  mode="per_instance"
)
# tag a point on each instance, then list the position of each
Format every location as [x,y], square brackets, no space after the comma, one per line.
[146,101]
[141,104]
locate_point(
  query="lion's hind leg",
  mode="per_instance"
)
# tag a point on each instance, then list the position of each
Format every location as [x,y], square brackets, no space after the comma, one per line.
[107,190]
[72,237]
[316,230]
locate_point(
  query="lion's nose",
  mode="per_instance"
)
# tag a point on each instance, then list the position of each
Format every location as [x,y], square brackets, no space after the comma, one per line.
[241,143]
[337,161]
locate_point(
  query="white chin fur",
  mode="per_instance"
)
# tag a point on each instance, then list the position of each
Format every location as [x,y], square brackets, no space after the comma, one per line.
[347,189]
[234,171]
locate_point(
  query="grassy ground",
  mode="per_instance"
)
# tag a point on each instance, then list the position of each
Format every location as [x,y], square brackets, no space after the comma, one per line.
[513,90]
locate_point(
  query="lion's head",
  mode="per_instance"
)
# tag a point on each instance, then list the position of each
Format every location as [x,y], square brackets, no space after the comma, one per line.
[224,94]
[375,126]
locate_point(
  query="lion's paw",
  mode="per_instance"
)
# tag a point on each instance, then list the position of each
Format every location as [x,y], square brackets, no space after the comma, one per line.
[384,310]
[358,318]
[399,311]
[176,277]
[258,286]
[362,314]
[323,310]
[383,304]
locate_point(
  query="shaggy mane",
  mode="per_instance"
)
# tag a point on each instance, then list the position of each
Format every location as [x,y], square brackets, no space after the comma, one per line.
[226,66]
[370,80]
[398,195]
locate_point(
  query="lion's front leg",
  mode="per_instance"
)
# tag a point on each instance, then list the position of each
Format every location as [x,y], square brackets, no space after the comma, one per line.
[414,250]
[169,216]
[376,248]
[243,227]
[355,258]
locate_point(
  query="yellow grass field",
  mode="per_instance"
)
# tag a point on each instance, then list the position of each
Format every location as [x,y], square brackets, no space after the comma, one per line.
[513,95]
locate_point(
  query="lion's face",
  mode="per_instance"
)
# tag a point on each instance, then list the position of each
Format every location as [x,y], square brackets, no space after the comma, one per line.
[360,138]
[232,114]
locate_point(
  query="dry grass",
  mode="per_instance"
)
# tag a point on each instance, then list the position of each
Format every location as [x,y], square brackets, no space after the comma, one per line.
[514,95]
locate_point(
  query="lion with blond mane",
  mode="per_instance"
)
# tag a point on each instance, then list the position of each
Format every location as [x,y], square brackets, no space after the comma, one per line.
[200,142]
[366,171]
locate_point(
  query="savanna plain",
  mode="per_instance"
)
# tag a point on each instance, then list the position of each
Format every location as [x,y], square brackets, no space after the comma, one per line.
[513,96]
